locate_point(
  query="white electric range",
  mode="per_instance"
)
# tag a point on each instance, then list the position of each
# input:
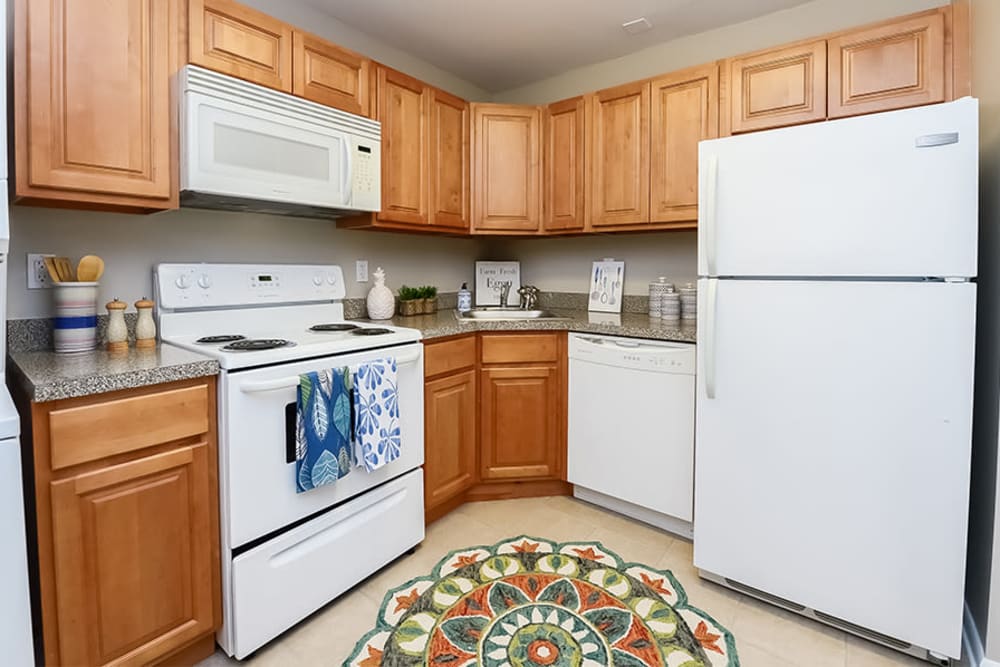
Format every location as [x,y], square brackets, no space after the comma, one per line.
[286,554]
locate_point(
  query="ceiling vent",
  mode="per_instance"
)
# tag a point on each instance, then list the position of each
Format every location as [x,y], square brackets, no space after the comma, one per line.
[636,26]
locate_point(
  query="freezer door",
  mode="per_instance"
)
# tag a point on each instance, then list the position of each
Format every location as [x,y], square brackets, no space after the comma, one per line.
[891,194]
[833,447]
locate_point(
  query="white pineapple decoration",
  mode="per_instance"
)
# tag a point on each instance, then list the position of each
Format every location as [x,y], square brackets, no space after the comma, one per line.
[381,302]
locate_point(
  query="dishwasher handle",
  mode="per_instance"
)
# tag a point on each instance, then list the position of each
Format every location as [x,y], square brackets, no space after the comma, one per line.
[631,344]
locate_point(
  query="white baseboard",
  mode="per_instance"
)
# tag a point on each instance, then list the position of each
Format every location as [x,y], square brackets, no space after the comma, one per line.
[662,521]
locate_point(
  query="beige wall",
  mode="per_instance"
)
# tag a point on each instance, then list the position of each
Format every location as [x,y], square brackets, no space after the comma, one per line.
[132,244]
[309,18]
[564,264]
[807,20]
[983,591]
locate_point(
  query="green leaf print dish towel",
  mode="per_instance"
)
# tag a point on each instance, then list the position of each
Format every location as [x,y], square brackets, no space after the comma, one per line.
[322,428]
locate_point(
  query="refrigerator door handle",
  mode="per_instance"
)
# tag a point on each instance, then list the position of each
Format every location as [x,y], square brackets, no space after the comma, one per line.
[711,323]
[711,205]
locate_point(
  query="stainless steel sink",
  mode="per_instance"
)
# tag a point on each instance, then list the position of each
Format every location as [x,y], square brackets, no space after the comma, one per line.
[509,314]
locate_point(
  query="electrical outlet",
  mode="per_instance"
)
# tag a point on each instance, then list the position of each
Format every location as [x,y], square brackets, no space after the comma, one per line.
[361,267]
[38,275]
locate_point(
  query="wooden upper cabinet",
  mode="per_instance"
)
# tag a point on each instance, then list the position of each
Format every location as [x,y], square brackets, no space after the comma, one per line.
[329,74]
[507,174]
[620,156]
[133,558]
[685,110]
[92,103]
[775,88]
[233,39]
[565,165]
[891,66]
[449,161]
[402,108]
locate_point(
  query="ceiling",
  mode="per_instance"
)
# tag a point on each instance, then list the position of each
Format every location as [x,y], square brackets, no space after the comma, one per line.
[502,45]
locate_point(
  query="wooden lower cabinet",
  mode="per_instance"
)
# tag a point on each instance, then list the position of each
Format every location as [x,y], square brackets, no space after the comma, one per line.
[128,544]
[520,423]
[522,408]
[494,418]
[450,423]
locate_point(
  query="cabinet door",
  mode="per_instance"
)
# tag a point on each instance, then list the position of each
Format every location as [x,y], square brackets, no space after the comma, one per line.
[233,39]
[449,154]
[507,181]
[93,109]
[450,437]
[888,67]
[777,88]
[133,558]
[565,165]
[620,152]
[402,110]
[685,110]
[520,436]
[330,75]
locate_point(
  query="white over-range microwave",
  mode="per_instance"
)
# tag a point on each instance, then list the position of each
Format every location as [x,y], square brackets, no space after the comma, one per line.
[249,148]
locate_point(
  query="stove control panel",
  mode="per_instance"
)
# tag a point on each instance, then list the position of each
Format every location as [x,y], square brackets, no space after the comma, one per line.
[188,286]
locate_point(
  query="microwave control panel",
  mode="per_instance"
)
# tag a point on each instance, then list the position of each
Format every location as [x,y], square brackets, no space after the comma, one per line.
[366,180]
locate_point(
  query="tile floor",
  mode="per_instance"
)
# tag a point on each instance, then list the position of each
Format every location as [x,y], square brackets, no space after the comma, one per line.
[765,636]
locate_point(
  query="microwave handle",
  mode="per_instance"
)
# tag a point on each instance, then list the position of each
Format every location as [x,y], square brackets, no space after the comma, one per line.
[291,382]
[348,194]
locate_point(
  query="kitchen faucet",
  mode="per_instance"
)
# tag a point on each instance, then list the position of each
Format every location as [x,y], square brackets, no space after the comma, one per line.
[529,297]
[504,293]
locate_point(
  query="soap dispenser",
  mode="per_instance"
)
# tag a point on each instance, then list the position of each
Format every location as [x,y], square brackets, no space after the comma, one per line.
[464,299]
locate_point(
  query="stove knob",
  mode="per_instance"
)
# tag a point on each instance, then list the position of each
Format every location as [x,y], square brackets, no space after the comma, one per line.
[205,281]
[183,281]
[332,279]
[317,280]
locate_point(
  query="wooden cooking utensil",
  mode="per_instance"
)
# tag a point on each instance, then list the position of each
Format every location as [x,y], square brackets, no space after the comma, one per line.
[90,269]
[53,269]
[65,269]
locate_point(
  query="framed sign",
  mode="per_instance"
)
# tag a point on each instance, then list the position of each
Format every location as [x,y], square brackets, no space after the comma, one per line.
[607,284]
[490,276]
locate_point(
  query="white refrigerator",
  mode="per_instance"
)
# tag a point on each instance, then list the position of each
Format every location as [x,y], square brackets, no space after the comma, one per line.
[836,331]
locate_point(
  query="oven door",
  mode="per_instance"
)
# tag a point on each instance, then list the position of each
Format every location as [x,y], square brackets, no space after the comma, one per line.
[257,444]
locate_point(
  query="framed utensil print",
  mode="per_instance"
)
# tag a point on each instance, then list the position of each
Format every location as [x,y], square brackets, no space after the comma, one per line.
[607,284]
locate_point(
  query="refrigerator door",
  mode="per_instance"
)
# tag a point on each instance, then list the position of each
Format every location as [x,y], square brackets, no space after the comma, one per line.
[833,447]
[892,194]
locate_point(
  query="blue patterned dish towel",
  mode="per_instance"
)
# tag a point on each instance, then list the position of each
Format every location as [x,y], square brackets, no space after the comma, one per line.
[322,428]
[376,412]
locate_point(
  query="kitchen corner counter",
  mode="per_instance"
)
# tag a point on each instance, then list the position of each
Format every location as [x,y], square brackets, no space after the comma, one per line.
[47,376]
[634,325]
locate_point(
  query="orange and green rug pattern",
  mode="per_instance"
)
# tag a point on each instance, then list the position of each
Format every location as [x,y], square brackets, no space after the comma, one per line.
[530,602]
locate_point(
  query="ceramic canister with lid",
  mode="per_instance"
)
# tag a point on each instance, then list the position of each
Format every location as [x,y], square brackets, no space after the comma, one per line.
[657,289]
[74,327]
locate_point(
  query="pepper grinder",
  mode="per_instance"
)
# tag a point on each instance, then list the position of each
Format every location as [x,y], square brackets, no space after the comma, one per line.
[145,327]
[117,331]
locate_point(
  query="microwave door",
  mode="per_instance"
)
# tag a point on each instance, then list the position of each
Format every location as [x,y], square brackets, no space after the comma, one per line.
[257,154]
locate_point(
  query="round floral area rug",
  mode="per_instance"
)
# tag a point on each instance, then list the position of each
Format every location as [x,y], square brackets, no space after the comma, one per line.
[529,602]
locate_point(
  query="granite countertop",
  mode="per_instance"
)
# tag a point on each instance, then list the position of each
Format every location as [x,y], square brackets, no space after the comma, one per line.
[47,376]
[635,325]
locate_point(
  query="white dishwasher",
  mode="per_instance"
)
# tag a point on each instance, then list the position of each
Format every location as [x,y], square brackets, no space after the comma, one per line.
[631,427]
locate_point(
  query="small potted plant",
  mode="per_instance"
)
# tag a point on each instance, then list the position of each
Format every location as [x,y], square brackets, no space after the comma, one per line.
[429,293]
[410,302]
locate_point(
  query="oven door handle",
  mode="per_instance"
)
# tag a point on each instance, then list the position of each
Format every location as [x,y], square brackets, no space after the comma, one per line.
[290,383]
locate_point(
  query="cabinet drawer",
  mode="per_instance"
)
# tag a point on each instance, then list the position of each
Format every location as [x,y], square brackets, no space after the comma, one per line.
[92,432]
[449,356]
[520,348]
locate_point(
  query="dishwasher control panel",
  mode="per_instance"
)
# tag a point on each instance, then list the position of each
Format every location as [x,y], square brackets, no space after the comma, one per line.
[634,353]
